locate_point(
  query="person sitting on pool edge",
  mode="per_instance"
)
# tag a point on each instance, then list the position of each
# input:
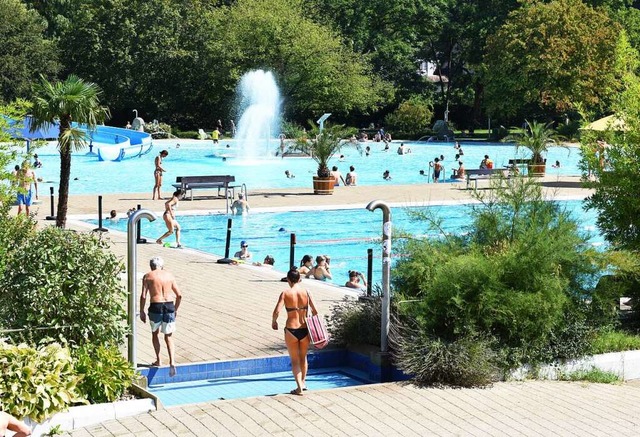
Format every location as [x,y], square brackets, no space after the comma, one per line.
[337,176]
[354,280]
[243,253]
[352,177]
[459,173]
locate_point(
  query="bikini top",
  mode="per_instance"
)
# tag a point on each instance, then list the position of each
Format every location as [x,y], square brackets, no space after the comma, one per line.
[306,307]
[296,308]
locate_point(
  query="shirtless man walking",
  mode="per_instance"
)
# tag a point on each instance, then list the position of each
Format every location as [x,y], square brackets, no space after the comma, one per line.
[161,287]
[26,177]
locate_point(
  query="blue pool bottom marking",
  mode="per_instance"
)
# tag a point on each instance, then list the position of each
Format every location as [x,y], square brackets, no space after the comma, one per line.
[203,382]
[264,384]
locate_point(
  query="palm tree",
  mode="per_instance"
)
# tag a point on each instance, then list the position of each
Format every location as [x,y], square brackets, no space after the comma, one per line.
[70,100]
[537,137]
[322,144]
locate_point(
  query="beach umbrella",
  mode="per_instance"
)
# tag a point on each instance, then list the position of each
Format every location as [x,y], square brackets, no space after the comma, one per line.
[610,122]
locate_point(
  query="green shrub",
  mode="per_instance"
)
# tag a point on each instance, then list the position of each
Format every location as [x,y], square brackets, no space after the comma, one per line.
[106,374]
[570,131]
[411,118]
[520,274]
[499,133]
[37,383]
[291,129]
[188,134]
[356,322]
[65,286]
[15,232]
[614,341]
[468,361]
[591,375]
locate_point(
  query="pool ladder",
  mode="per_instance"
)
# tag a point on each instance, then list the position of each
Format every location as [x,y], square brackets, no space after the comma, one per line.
[443,174]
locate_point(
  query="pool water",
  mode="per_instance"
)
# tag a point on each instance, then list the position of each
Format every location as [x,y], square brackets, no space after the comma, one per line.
[192,157]
[264,384]
[344,235]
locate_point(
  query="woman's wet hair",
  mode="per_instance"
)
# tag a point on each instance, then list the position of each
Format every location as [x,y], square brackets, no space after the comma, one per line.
[293,276]
[177,193]
[305,259]
[320,258]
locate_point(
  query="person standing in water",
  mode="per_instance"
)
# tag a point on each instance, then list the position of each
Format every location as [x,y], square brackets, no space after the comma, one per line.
[240,206]
[157,174]
[296,301]
[169,217]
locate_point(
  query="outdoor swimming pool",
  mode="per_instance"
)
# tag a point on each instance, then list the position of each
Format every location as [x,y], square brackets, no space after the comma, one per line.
[90,176]
[343,234]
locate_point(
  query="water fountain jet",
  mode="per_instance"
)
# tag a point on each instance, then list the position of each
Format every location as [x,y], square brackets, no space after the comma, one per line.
[260,120]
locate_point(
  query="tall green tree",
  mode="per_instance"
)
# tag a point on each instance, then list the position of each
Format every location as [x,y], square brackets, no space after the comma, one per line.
[315,71]
[615,166]
[25,53]
[552,56]
[70,100]
[151,56]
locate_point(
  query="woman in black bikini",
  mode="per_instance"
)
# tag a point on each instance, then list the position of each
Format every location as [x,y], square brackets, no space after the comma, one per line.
[296,301]
[157,174]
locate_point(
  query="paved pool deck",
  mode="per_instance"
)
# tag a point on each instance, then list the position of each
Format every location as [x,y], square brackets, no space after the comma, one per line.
[226,314]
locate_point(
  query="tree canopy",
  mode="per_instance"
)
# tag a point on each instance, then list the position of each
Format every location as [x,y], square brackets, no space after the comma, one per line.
[552,56]
[25,53]
[315,71]
[180,61]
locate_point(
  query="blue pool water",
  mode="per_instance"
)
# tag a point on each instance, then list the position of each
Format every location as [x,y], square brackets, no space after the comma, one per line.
[264,384]
[90,176]
[344,234]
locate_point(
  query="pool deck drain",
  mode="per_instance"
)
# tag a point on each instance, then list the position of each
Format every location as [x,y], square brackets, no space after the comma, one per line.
[226,314]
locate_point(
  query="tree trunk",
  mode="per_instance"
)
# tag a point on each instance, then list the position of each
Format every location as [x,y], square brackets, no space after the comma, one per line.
[65,173]
[63,190]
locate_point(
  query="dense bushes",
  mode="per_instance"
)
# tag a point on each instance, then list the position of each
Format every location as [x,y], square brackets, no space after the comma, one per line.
[517,280]
[38,382]
[356,322]
[106,374]
[410,119]
[59,287]
[64,281]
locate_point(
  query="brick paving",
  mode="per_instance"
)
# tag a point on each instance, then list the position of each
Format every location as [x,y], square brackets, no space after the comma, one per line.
[226,315]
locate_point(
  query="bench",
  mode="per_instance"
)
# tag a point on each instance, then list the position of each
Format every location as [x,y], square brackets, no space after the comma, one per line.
[482,173]
[190,183]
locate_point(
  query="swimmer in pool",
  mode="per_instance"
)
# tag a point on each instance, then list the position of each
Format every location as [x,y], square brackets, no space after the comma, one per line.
[321,270]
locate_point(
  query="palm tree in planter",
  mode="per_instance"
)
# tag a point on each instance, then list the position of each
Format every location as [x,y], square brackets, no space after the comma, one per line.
[321,145]
[536,137]
[70,100]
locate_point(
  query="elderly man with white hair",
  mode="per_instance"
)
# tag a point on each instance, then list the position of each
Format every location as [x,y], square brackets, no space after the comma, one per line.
[162,289]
